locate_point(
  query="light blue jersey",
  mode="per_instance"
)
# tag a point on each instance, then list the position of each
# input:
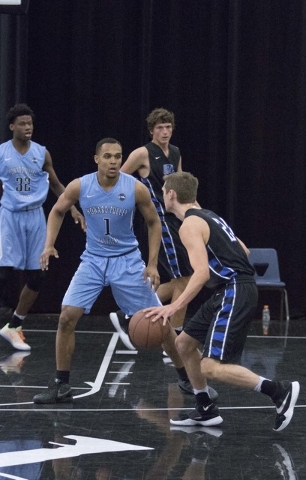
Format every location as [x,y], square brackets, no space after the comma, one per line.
[22,219]
[25,183]
[112,257]
[109,215]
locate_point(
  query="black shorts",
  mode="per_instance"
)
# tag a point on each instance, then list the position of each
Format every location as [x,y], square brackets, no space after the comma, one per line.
[221,324]
[173,260]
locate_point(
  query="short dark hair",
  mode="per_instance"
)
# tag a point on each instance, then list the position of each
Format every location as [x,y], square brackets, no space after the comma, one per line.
[184,184]
[106,140]
[17,111]
[160,115]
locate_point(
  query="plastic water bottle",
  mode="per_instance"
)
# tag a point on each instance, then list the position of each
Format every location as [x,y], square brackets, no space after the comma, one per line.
[265,319]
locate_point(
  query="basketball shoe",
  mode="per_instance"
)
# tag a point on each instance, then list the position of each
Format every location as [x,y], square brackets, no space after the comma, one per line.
[285,404]
[205,416]
[58,392]
[120,322]
[15,337]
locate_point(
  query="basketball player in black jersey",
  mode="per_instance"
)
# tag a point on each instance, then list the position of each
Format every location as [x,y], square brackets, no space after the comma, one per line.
[219,260]
[152,161]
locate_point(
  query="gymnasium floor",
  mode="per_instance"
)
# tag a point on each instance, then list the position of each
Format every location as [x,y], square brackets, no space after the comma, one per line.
[118,426]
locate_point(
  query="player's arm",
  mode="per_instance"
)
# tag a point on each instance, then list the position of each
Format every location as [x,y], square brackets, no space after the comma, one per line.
[58,188]
[55,219]
[194,234]
[138,161]
[148,211]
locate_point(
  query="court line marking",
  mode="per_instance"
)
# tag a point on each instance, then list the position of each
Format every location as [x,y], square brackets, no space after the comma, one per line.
[91,332]
[268,407]
[96,385]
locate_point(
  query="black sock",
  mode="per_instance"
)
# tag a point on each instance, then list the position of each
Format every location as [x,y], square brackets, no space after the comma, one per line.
[63,375]
[270,388]
[182,373]
[203,399]
[15,322]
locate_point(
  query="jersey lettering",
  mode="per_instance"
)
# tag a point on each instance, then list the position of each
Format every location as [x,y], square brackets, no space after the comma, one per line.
[229,232]
[23,184]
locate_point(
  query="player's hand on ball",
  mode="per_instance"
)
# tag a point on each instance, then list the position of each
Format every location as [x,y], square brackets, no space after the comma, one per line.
[154,313]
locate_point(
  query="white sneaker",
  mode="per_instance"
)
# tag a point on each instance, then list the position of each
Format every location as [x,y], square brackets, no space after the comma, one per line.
[15,337]
[120,322]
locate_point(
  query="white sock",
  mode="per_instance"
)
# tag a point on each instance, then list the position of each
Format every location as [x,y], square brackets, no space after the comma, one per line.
[258,386]
[203,390]
[21,317]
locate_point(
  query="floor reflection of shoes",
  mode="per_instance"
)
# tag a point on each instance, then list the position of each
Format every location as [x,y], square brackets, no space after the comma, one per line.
[122,373]
[214,431]
[284,463]
[202,440]
[13,362]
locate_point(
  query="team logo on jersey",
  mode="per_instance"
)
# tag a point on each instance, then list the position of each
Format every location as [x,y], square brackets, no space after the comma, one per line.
[168,168]
[34,160]
[122,196]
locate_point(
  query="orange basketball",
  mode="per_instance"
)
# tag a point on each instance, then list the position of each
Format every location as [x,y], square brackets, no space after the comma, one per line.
[145,334]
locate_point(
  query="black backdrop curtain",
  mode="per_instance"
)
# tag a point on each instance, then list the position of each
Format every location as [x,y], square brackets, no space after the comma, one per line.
[233,72]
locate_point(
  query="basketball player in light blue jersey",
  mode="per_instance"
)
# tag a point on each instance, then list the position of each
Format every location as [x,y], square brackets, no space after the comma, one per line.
[111,258]
[26,173]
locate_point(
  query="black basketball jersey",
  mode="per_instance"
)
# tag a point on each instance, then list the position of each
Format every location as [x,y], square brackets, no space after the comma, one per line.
[228,261]
[160,165]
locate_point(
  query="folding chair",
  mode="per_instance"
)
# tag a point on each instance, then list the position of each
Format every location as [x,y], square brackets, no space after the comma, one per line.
[267,276]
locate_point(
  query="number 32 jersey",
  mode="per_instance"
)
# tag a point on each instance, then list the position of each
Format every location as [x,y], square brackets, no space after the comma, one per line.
[25,183]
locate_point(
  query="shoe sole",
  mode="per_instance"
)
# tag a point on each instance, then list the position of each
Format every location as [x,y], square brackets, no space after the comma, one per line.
[122,335]
[22,348]
[290,410]
[189,422]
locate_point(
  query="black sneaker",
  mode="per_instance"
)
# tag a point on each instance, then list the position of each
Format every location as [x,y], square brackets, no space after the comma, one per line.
[58,392]
[205,416]
[121,324]
[186,387]
[285,404]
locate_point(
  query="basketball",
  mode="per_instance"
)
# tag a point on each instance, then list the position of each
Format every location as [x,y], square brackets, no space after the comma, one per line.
[145,334]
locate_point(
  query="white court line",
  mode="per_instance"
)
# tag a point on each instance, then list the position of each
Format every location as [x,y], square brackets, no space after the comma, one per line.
[96,385]
[268,407]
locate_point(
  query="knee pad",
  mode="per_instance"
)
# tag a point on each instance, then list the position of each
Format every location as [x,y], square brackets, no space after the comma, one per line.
[35,279]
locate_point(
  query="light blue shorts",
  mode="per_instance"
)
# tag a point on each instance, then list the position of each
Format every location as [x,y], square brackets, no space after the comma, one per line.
[124,274]
[22,238]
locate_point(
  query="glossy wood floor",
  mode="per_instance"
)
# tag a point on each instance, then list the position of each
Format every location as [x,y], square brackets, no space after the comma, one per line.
[118,426]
